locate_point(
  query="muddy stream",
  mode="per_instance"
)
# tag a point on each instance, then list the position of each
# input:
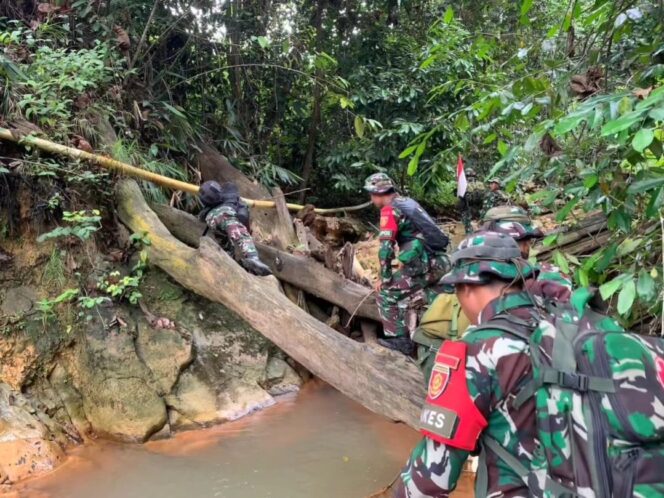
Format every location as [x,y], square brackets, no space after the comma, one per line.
[319,444]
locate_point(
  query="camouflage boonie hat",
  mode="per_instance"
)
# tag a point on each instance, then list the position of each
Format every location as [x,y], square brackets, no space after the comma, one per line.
[378,183]
[507,213]
[486,255]
[511,220]
[518,231]
[493,179]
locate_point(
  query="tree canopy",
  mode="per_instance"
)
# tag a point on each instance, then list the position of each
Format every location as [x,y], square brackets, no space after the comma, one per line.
[563,100]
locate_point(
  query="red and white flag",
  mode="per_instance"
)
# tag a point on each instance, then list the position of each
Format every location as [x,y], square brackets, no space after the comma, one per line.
[462,183]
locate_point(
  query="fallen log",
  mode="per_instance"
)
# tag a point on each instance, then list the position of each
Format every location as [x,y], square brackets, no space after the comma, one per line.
[302,272]
[381,380]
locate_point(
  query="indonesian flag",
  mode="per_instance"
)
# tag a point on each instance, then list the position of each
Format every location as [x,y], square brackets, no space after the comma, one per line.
[462,183]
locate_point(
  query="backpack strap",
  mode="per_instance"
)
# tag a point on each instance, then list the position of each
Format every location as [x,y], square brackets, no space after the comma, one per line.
[551,487]
[510,324]
[568,380]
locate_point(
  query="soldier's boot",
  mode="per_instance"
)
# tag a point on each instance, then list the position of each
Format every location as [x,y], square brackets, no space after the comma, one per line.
[256,266]
[402,344]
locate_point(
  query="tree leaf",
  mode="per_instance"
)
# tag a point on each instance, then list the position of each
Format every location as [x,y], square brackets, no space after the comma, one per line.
[502,148]
[526,5]
[645,185]
[561,261]
[263,41]
[413,164]
[407,152]
[643,139]
[449,15]
[622,123]
[609,288]
[359,126]
[655,204]
[567,209]
[590,181]
[490,139]
[657,114]
[627,246]
[645,286]
[626,297]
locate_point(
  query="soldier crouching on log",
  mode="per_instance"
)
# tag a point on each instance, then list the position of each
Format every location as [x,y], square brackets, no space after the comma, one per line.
[225,212]
[422,246]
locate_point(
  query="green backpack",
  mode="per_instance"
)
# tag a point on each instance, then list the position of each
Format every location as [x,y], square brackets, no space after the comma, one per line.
[599,397]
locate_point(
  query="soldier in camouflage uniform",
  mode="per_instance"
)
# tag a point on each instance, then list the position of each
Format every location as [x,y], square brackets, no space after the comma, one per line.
[493,197]
[592,429]
[229,216]
[399,290]
[488,283]
[464,205]
[515,222]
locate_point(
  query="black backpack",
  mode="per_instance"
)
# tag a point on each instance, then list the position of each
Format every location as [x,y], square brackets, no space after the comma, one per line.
[435,239]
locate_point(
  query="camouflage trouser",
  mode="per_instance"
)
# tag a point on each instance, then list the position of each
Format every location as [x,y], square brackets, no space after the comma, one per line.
[225,220]
[467,221]
[466,215]
[407,295]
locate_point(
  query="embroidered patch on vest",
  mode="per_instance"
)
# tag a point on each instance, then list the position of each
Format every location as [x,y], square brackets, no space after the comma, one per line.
[440,375]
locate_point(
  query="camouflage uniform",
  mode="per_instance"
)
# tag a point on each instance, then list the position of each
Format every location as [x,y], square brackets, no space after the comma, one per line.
[515,222]
[497,369]
[224,218]
[409,288]
[492,198]
[411,285]
[228,215]
[496,366]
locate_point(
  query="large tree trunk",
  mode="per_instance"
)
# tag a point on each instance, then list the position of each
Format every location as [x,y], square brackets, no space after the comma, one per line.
[383,381]
[302,272]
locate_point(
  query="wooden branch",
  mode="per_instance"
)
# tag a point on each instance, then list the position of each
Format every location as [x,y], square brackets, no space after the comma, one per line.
[302,272]
[381,380]
[283,230]
[129,170]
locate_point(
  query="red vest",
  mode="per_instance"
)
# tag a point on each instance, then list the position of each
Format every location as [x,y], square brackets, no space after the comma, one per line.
[449,415]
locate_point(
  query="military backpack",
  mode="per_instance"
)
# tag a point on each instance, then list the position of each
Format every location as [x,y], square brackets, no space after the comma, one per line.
[599,400]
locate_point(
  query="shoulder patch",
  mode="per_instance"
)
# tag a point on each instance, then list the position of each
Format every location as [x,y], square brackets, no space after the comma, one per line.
[388,224]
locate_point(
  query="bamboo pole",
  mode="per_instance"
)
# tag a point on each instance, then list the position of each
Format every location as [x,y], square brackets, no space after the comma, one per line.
[129,170]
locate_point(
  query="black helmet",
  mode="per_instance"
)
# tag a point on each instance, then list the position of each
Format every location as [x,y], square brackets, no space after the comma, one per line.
[211,194]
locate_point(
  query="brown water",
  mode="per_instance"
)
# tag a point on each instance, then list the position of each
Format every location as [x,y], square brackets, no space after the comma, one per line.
[319,444]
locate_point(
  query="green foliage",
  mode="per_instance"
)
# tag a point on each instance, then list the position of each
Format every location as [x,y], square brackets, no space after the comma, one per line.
[57,77]
[81,224]
[126,287]
[47,307]
[54,271]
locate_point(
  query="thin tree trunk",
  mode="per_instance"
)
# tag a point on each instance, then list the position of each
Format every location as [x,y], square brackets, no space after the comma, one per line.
[308,166]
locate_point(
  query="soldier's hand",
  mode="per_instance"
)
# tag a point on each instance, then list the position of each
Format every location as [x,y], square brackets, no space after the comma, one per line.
[378,285]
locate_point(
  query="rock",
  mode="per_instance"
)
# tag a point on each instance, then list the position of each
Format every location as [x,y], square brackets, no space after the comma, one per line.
[165,352]
[27,447]
[281,378]
[18,360]
[222,383]
[71,399]
[120,399]
[18,300]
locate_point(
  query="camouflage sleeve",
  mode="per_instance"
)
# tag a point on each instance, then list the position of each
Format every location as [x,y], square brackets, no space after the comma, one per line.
[389,226]
[433,468]
[385,256]
[432,471]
